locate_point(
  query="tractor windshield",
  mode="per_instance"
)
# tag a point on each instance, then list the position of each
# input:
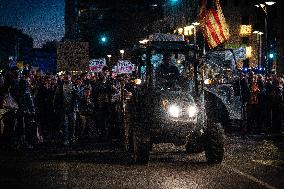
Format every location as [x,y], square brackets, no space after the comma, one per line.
[172,72]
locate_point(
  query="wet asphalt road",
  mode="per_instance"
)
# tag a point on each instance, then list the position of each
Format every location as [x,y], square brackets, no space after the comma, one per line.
[250,163]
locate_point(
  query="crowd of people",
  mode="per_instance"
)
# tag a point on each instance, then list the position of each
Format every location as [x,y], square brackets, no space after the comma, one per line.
[38,108]
[262,98]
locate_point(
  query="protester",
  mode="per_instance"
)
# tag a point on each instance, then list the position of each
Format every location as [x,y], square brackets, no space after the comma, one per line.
[252,106]
[86,112]
[45,113]
[276,98]
[10,105]
[103,91]
[263,99]
[65,105]
[26,130]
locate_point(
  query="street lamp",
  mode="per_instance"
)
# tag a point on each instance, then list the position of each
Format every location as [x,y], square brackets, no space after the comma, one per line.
[195,24]
[258,33]
[109,57]
[144,41]
[270,2]
[122,53]
[264,6]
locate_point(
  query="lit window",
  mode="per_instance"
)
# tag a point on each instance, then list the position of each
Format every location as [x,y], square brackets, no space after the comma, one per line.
[245,30]
[188,30]
[248,52]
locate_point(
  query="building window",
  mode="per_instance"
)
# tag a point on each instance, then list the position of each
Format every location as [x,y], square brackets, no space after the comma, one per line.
[245,20]
[245,30]
[248,51]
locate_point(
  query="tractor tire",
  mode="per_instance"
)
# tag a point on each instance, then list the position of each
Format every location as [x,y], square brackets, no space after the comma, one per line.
[140,150]
[214,143]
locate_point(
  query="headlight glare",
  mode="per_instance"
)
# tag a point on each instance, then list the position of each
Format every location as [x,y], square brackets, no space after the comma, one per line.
[174,111]
[192,110]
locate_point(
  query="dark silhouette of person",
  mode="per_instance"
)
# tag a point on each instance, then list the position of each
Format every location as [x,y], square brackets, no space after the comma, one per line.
[166,72]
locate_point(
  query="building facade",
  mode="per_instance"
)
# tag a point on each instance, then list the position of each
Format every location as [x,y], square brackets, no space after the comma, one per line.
[13,44]
[180,13]
[43,59]
[266,49]
[241,16]
[40,59]
[110,25]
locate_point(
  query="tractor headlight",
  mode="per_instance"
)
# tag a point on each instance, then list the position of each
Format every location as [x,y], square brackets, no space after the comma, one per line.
[192,111]
[174,111]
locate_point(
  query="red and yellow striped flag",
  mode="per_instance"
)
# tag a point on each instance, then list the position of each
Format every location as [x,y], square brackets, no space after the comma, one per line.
[213,23]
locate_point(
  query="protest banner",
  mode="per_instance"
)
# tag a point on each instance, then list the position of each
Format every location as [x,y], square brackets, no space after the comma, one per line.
[124,67]
[96,65]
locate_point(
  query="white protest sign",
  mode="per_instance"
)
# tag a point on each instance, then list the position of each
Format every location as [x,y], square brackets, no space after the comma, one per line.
[124,67]
[96,65]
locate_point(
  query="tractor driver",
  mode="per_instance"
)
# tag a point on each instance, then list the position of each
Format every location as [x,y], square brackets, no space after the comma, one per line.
[167,73]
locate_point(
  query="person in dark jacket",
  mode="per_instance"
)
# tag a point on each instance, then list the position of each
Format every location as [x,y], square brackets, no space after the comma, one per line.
[86,112]
[27,130]
[44,104]
[276,98]
[262,104]
[10,87]
[167,74]
[65,105]
[102,95]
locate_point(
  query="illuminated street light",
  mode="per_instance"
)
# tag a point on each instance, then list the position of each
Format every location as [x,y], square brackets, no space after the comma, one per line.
[259,33]
[144,41]
[195,25]
[260,5]
[122,53]
[269,3]
[264,7]
[109,57]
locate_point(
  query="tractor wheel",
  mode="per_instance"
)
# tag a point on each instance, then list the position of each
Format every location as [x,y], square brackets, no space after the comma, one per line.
[140,150]
[214,144]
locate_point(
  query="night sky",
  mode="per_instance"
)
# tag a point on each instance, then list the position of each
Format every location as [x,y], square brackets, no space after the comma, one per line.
[41,19]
